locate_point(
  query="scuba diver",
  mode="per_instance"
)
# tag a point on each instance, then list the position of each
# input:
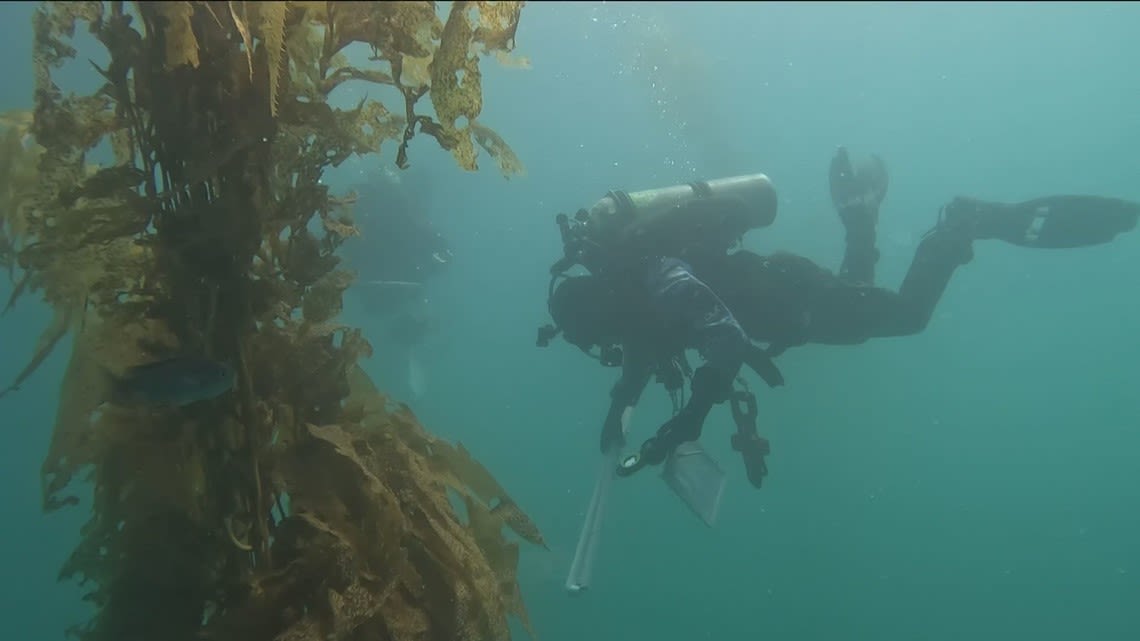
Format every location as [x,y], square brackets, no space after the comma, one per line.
[644,295]
[663,279]
[398,246]
[398,251]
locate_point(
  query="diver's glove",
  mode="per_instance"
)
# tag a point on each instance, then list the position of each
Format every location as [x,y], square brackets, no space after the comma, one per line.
[709,387]
[684,426]
[857,188]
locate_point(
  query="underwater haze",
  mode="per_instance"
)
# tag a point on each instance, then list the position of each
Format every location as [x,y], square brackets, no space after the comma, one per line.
[980,480]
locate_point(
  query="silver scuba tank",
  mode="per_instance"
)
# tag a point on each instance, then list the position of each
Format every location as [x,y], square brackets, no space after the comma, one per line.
[617,209]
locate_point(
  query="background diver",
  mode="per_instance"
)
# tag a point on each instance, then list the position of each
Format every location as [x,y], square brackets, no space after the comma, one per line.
[662,280]
[399,251]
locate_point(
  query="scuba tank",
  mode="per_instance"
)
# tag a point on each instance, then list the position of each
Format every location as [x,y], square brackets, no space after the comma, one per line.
[593,232]
[590,238]
[617,209]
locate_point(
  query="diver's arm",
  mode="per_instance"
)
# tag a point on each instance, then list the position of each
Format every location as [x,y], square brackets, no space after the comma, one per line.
[636,369]
[681,300]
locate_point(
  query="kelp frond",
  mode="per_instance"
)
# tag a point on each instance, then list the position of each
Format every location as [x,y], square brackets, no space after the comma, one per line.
[301,505]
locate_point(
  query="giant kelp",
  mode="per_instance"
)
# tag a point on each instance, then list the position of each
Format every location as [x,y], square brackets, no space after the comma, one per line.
[303,504]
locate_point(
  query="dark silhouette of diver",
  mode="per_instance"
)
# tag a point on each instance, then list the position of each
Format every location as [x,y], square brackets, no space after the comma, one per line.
[663,280]
[398,251]
[397,255]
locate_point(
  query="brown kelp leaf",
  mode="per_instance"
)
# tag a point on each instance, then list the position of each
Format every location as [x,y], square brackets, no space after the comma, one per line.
[303,261]
[272,30]
[246,38]
[336,216]
[345,72]
[365,405]
[349,446]
[181,45]
[456,86]
[304,48]
[60,324]
[509,163]
[79,122]
[325,298]
[513,62]
[498,22]
[456,81]
[340,228]
[513,516]
[393,28]
[320,330]
[122,147]
[92,271]
[19,119]
[361,130]
[317,11]
[503,557]
[52,24]
[431,462]
[415,71]
[458,469]
[469,471]
[103,345]
[333,486]
[375,124]
[19,182]
[352,608]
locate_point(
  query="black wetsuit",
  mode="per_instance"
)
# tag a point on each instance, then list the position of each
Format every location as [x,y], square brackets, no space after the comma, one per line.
[678,312]
[785,300]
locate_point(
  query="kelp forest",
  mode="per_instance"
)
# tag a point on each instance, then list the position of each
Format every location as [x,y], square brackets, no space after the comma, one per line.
[180,209]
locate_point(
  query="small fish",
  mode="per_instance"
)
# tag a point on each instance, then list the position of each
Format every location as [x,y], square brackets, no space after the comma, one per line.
[174,381]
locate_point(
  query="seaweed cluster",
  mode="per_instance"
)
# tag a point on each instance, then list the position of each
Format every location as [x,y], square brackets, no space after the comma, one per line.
[304,504]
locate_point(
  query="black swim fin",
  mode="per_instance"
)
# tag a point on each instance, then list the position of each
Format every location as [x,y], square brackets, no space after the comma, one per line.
[1052,222]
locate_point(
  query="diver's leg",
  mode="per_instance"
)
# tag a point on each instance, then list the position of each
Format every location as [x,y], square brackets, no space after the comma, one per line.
[1053,222]
[837,313]
[846,314]
[851,314]
[787,300]
[859,252]
[938,254]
